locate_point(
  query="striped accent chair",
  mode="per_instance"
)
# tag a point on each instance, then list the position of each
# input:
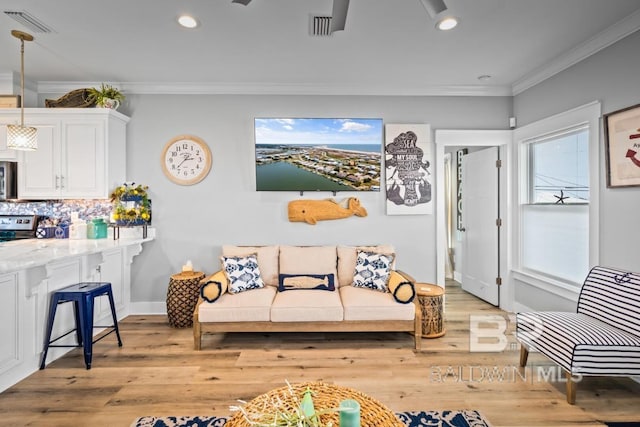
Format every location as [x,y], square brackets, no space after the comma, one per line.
[601,339]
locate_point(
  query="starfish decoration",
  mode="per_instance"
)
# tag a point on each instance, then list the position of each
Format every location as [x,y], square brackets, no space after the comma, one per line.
[561,198]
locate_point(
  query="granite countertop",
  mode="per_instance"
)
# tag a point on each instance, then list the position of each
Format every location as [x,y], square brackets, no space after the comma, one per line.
[28,253]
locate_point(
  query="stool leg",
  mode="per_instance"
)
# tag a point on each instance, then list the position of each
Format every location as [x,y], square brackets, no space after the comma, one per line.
[113,314]
[76,313]
[53,304]
[86,316]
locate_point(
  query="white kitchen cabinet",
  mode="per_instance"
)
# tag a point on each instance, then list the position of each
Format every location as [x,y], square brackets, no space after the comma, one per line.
[109,268]
[81,153]
[10,326]
[5,153]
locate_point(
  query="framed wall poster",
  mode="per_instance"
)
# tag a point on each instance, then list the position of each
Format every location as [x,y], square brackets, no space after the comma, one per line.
[9,101]
[408,159]
[622,137]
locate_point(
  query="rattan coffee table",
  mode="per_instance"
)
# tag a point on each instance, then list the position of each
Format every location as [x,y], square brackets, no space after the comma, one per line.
[326,396]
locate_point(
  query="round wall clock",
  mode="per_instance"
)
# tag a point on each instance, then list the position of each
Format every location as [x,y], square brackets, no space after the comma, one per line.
[186,160]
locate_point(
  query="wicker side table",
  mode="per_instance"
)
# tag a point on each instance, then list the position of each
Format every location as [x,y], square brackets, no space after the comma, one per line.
[431,302]
[182,297]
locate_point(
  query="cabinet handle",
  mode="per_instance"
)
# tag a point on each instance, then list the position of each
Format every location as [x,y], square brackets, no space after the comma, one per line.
[57,181]
[61,181]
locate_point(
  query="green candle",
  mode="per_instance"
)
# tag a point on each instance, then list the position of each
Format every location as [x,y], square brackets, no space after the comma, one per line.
[349,413]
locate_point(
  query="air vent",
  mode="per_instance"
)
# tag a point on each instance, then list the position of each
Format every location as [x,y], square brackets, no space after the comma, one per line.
[321,26]
[29,21]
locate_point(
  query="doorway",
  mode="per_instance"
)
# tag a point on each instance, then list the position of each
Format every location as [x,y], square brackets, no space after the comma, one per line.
[474,138]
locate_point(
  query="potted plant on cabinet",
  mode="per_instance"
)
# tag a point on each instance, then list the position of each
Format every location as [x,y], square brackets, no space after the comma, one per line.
[106,96]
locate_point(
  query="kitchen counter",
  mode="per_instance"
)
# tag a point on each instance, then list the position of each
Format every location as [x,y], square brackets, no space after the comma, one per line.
[32,269]
[28,253]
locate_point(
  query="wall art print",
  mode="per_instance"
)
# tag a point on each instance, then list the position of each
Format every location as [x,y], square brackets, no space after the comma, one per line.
[622,136]
[408,160]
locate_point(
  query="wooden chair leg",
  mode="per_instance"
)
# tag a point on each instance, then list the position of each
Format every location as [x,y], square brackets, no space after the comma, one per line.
[571,389]
[197,335]
[524,355]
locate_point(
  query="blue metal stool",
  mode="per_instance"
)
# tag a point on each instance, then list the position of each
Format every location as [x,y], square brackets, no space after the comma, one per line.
[82,295]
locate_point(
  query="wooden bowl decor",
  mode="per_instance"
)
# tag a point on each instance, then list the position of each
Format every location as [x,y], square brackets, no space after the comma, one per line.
[78,98]
[312,211]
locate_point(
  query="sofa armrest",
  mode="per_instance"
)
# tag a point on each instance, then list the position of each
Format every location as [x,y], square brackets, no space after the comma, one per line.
[402,286]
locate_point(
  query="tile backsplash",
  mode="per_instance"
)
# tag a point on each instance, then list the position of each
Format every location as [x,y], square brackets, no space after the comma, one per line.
[59,209]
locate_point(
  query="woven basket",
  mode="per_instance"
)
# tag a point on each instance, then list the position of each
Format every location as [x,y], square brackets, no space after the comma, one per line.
[182,297]
[325,396]
[77,98]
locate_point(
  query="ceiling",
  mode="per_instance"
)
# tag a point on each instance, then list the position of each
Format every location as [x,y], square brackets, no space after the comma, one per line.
[387,47]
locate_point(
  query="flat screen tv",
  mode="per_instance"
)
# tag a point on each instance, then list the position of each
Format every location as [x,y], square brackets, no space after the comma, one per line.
[318,154]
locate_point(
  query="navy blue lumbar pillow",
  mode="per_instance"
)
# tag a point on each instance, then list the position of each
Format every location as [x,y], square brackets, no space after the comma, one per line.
[288,282]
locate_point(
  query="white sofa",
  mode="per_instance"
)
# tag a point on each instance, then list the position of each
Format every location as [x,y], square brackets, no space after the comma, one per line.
[278,308]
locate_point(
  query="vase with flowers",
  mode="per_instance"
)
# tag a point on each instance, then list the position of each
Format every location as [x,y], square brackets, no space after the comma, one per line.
[131,204]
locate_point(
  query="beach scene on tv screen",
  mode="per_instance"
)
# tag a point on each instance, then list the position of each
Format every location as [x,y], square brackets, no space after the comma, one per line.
[318,154]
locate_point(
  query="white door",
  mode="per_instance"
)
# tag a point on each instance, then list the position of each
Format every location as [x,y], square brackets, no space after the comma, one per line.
[480,213]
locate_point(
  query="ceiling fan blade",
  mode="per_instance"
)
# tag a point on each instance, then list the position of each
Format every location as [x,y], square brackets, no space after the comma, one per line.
[339,15]
[434,7]
[242,2]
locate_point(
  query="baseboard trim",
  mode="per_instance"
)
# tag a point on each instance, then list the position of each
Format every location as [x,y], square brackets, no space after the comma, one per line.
[148,307]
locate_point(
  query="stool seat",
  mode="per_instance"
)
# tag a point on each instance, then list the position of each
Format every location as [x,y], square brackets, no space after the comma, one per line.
[82,295]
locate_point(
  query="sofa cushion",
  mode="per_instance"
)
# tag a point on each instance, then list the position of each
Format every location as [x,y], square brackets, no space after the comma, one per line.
[347,260]
[308,260]
[242,272]
[253,306]
[363,304]
[307,306]
[372,270]
[324,282]
[267,259]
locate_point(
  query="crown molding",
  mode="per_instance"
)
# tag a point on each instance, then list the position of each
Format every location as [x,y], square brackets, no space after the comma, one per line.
[204,88]
[614,33]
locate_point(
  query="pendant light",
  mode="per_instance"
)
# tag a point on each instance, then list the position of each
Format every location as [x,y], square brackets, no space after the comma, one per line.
[21,137]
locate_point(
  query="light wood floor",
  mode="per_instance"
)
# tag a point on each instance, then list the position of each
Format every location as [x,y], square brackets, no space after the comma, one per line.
[157,372]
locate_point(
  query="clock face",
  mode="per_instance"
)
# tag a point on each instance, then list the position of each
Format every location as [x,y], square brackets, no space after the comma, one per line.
[186,160]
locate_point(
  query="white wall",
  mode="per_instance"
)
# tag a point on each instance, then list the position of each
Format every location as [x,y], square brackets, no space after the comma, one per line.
[193,222]
[612,77]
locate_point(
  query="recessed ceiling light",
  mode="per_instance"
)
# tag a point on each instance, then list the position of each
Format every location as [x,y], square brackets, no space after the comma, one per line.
[484,77]
[187,21]
[447,23]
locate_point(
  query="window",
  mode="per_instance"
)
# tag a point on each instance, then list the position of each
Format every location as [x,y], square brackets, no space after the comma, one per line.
[559,168]
[558,178]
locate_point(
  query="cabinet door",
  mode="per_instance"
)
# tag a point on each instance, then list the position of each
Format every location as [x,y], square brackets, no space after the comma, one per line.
[112,270]
[38,173]
[83,162]
[10,331]
[5,153]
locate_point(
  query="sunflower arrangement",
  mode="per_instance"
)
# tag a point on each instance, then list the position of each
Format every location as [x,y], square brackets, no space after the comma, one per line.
[131,204]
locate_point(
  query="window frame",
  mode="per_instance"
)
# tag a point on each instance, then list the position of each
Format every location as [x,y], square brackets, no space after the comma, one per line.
[586,115]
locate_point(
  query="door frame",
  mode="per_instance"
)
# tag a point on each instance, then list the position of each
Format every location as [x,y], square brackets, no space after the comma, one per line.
[470,138]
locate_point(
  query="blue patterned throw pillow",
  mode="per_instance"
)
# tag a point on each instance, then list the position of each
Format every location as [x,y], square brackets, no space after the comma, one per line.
[243,273]
[372,270]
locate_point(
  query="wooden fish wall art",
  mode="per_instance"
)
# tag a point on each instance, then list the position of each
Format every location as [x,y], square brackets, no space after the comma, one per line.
[312,211]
